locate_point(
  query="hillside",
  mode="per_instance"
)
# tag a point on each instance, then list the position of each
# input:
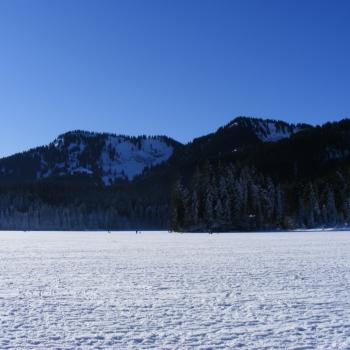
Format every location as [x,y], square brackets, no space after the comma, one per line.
[100,158]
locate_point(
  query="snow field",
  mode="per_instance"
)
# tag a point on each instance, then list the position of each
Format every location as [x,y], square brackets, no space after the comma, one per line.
[156,290]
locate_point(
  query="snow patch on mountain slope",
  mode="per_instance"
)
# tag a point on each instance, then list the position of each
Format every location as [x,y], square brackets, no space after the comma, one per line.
[268,130]
[111,157]
[120,158]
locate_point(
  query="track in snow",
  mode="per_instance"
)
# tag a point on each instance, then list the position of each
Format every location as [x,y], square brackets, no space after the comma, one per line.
[171,291]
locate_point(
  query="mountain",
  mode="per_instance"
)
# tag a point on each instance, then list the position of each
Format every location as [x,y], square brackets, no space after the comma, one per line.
[240,134]
[103,158]
[250,174]
[98,157]
[237,140]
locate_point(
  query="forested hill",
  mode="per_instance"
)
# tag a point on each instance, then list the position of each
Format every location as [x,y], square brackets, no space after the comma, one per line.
[98,158]
[251,174]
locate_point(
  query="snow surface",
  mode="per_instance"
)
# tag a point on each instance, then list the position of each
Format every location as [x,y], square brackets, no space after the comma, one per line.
[174,291]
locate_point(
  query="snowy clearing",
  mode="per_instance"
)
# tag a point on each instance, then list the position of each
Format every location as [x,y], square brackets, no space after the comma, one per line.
[174,291]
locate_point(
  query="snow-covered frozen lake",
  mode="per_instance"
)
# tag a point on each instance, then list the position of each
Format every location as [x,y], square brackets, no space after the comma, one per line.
[174,291]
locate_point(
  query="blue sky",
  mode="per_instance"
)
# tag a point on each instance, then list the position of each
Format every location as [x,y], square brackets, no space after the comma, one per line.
[176,67]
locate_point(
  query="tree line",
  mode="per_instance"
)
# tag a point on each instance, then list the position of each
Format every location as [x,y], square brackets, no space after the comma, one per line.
[229,197]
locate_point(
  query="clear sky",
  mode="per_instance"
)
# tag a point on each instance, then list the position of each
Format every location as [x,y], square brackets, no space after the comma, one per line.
[176,67]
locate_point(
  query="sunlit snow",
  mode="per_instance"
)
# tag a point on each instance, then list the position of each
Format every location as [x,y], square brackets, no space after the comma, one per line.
[157,290]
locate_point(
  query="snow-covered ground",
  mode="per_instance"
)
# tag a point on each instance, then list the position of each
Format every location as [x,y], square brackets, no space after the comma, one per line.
[174,291]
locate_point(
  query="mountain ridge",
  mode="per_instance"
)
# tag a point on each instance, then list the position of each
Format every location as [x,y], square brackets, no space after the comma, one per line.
[253,175]
[109,157]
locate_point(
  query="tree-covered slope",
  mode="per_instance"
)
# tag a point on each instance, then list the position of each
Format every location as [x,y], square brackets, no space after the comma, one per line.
[248,175]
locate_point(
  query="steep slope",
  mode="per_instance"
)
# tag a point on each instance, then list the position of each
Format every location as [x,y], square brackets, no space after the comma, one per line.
[100,157]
